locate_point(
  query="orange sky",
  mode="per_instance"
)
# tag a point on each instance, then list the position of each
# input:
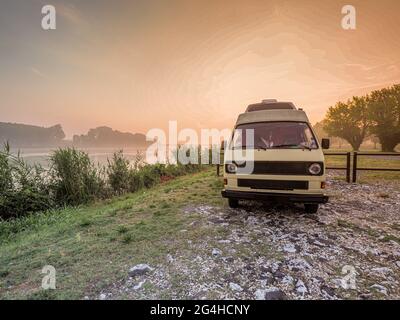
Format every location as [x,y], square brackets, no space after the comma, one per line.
[134,65]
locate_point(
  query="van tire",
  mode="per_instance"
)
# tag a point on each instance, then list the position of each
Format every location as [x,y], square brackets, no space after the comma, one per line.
[233,203]
[311,207]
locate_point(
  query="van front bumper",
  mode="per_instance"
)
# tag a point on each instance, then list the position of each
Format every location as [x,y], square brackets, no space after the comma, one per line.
[271,196]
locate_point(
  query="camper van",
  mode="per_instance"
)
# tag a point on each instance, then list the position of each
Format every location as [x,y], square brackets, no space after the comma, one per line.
[283,158]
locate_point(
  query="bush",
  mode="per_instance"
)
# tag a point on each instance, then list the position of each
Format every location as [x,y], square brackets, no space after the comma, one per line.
[74,178]
[23,188]
[118,173]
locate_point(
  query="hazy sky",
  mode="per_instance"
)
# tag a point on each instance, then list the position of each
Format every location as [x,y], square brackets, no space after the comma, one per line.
[134,65]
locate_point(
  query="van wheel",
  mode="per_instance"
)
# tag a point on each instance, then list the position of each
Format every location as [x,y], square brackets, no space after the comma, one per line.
[311,207]
[233,203]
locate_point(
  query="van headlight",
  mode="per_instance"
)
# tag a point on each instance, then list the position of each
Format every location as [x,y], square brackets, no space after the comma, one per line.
[231,168]
[315,168]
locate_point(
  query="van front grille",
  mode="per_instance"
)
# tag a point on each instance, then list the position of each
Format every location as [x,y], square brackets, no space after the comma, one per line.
[273,184]
[287,168]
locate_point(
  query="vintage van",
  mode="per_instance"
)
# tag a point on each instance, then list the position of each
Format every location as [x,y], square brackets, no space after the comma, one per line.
[281,161]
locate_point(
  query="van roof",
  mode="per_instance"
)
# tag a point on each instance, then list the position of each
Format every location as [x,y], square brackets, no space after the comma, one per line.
[272,115]
[270,104]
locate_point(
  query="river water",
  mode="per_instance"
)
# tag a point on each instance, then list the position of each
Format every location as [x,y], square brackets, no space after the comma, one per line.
[97,155]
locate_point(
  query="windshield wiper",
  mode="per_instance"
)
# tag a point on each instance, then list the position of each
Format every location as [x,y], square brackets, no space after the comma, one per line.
[291,145]
[285,145]
[261,147]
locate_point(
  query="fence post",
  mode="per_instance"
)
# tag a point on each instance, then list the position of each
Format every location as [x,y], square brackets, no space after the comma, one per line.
[218,170]
[348,160]
[355,167]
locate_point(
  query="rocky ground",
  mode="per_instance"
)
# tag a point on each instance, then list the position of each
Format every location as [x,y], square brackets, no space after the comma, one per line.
[349,249]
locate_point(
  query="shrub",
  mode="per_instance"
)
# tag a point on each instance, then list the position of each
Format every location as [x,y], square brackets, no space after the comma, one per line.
[74,178]
[5,171]
[135,181]
[150,175]
[118,173]
[23,188]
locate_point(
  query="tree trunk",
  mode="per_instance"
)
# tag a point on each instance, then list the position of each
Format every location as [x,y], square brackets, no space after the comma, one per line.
[388,146]
[355,145]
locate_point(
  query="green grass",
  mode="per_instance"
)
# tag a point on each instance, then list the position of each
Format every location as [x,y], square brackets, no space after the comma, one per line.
[93,246]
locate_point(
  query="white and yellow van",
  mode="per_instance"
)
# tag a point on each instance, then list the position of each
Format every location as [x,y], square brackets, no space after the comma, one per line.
[287,162]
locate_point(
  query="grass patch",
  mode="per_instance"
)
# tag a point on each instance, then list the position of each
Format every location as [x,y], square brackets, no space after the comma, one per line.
[93,246]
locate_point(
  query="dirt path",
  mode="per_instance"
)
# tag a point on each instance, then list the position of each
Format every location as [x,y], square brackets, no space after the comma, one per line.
[350,249]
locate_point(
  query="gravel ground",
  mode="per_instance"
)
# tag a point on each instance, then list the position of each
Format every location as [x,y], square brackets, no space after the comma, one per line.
[350,249]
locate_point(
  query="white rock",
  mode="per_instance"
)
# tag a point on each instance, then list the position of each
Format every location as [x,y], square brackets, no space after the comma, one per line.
[103,296]
[139,285]
[140,269]
[271,293]
[288,280]
[235,287]
[216,252]
[260,294]
[289,248]
[299,264]
[380,288]
[275,266]
[301,288]
[338,283]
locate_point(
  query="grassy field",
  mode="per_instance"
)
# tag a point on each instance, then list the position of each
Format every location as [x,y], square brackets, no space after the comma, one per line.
[94,246]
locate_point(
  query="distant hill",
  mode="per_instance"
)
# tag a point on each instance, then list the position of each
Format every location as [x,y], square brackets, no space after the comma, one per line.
[28,136]
[23,135]
[107,137]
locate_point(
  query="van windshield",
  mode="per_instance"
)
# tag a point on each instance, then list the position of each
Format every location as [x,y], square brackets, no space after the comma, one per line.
[274,135]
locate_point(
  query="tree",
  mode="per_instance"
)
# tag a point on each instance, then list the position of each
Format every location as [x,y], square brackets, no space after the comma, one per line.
[321,133]
[348,121]
[56,133]
[384,112]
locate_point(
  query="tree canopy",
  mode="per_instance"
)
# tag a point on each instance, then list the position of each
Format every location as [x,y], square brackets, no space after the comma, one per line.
[348,121]
[384,112]
[376,114]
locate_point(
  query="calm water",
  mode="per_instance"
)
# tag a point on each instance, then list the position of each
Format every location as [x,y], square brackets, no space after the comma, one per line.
[98,155]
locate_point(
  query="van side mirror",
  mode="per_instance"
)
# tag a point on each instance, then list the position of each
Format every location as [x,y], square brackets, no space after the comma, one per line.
[325,143]
[223,143]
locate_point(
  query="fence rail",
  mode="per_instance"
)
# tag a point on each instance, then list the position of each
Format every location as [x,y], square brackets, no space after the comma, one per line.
[380,154]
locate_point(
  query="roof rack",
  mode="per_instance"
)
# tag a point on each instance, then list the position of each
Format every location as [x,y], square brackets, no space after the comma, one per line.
[270,104]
